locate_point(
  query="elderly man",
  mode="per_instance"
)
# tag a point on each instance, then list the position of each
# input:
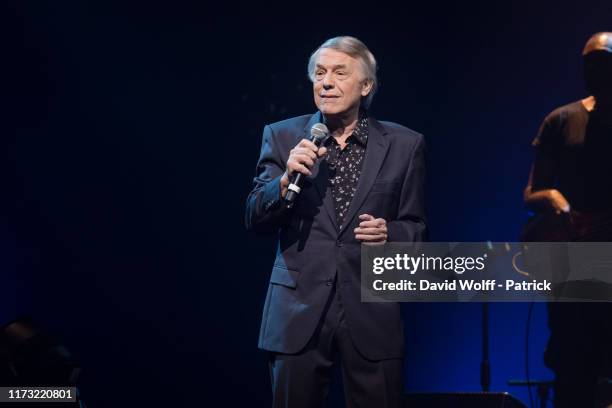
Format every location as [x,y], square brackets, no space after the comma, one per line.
[365,184]
[570,177]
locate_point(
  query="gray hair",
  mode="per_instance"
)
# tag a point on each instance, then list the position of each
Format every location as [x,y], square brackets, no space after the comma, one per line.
[356,49]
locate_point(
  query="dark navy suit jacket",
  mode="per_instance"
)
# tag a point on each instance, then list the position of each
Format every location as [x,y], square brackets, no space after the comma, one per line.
[312,251]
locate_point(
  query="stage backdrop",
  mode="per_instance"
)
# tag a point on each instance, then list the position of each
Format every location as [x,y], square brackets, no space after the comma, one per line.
[134,130]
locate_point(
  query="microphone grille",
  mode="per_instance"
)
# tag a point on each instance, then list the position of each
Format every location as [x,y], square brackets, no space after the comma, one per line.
[319,131]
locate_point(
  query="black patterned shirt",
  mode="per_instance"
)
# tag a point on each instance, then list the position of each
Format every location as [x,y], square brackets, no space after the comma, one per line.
[345,167]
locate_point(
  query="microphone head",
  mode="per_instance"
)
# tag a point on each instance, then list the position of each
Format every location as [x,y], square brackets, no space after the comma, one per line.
[319,131]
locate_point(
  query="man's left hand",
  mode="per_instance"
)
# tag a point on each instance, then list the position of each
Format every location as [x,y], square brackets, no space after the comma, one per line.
[371,230]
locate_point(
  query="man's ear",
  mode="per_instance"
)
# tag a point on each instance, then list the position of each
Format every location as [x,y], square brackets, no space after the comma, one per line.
[366,88]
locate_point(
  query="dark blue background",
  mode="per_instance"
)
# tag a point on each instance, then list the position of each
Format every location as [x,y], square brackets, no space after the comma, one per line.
[134,130]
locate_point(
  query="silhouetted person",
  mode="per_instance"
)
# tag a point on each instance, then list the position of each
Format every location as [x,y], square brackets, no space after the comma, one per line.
[572,178]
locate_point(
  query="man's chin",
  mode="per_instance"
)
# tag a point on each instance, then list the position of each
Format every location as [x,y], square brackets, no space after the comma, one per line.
[330,110]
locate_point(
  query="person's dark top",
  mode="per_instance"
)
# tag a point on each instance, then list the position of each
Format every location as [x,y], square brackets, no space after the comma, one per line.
[345,166]
[574,155]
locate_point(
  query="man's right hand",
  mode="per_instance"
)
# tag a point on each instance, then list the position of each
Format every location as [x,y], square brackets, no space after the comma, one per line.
[557,201]
[301,159]
[549,198]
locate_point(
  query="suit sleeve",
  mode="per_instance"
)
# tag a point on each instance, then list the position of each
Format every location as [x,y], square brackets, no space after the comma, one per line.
[265,211]
[410,223]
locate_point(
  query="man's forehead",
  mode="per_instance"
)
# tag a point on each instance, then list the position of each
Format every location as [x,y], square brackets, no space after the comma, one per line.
[328,56]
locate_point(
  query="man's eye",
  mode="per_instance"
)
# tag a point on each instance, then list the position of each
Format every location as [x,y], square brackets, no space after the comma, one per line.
[341,73]
[319,74]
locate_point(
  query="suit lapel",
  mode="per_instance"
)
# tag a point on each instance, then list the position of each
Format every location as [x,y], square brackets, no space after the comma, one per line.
[376,150]
[320,175]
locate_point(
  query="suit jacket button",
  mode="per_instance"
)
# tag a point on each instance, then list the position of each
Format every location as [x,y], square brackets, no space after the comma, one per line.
[329,282]
[339,243]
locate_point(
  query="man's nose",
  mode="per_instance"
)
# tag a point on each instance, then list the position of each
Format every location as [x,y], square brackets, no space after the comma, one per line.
[328,81]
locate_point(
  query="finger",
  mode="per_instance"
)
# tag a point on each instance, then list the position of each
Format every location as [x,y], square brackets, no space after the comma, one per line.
[304,151]
[366,217]
[304,159]
[300,168]
[309,145]
[381,222]
[373,222]
[303,169]
[370,238]
[370,231]
[322,151]
[300,158]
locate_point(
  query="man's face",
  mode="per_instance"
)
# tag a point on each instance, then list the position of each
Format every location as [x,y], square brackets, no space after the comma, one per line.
[598,75]
[339,82]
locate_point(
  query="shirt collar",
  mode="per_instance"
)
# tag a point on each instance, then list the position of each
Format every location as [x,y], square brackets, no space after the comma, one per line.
[360,133]
[361,130]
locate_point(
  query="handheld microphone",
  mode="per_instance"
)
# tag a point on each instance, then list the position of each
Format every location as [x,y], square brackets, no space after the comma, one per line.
[318,133]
